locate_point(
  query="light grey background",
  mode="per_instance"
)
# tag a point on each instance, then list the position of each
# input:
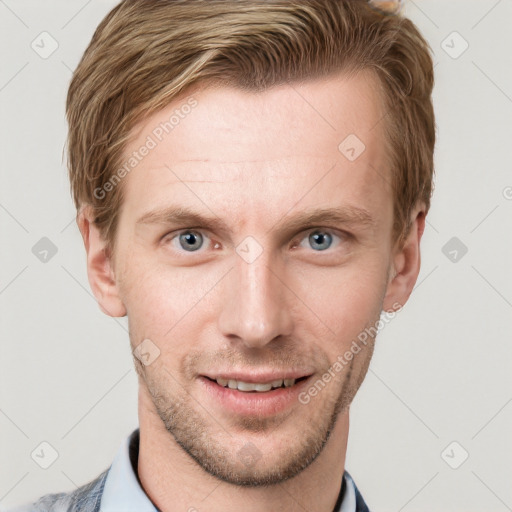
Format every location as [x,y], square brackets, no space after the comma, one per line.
[441,371]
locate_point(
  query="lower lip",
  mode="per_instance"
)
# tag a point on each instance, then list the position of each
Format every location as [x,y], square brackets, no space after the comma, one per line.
[254,403]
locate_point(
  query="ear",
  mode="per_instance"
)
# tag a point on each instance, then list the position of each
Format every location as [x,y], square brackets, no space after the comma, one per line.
[99,266]
[406,263]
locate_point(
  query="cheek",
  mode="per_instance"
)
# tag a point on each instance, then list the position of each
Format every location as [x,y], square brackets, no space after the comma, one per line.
[165,304]
[345,299]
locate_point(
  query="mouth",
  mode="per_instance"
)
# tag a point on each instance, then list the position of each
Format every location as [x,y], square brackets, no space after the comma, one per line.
[256,387]
[254,395]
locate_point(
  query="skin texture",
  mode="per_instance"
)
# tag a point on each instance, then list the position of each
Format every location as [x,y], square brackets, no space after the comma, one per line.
[254,161]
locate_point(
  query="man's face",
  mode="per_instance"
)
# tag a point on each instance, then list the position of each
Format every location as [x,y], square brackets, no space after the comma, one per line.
[257,292]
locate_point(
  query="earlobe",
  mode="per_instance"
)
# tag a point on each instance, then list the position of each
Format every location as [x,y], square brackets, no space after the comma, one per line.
[99,266]
[406,264]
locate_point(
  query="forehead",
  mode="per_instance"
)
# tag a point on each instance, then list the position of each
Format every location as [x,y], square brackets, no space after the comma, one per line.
[243,153]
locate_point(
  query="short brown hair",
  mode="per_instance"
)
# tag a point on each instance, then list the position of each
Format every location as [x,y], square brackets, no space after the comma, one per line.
[147,52]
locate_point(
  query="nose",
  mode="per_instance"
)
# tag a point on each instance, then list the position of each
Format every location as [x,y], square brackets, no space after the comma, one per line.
[255,307]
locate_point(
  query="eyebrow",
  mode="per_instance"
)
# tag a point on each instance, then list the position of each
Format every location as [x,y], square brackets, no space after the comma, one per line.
[344,215]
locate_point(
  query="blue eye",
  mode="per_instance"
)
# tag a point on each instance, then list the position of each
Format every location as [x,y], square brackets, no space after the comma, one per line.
[320,240]
[191,240]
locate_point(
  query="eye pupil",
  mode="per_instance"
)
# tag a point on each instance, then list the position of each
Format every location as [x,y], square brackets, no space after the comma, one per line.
[320,240]
[191,241]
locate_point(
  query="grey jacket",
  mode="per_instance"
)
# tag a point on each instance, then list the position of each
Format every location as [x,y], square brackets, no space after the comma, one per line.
[84,499]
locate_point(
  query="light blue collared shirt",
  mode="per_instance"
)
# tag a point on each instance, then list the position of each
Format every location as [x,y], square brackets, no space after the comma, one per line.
[122,489]
[123,492]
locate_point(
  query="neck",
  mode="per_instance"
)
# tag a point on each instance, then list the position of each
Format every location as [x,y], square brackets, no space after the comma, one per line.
[174,481]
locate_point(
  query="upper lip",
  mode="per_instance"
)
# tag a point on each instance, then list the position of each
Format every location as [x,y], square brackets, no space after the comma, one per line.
[258,377]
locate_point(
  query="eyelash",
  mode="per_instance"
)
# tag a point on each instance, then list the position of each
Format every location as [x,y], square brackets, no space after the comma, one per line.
[342,236]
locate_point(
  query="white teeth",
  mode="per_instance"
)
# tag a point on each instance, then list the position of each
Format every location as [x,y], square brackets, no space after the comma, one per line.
[262,387]
[246,386]
[253,386]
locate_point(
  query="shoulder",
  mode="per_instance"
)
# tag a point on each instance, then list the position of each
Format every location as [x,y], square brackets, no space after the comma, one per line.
[84,499]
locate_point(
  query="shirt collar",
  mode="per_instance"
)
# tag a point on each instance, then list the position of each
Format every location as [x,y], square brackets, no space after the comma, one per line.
[122,488]
[348,504]
[123,491]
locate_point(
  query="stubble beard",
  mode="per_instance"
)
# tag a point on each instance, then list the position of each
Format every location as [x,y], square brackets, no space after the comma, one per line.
[210,443]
